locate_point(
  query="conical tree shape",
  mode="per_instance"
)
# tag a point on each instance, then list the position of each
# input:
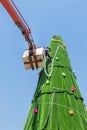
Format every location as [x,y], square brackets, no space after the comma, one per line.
[57,103]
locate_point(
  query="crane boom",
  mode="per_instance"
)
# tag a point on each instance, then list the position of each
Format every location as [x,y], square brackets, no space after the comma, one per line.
[11,8]
[33,57]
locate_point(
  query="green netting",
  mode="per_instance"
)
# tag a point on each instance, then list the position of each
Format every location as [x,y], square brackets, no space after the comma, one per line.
[54,97]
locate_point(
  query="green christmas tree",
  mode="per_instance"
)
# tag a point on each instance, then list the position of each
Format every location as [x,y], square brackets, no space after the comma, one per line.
[57,103]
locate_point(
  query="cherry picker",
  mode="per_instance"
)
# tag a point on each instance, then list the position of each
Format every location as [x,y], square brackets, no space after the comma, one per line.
[33,56]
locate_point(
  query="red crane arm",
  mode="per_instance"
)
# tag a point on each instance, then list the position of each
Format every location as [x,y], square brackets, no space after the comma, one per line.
[11,8]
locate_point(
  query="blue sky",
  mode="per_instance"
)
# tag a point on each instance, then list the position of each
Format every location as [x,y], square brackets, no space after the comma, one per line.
[46,18]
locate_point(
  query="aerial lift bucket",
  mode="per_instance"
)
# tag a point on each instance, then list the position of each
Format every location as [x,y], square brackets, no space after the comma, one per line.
[34,61]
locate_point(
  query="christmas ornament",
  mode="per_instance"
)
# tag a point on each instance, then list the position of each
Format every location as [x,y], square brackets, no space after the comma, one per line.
[35,110]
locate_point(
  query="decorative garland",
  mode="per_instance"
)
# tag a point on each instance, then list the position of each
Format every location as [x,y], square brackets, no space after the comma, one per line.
[65,107]
[58,91]
[49,110]
[45,70]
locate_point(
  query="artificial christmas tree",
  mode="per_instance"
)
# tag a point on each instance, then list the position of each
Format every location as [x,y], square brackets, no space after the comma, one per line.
[57,103]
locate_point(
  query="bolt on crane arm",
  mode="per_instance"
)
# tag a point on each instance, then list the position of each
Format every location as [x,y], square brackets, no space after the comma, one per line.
[11,8]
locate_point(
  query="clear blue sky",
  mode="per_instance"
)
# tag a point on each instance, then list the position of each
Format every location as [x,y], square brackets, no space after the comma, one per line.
[46,18]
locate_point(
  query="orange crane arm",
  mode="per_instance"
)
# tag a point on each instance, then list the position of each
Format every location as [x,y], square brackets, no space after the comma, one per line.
[33,57]
[11,8]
